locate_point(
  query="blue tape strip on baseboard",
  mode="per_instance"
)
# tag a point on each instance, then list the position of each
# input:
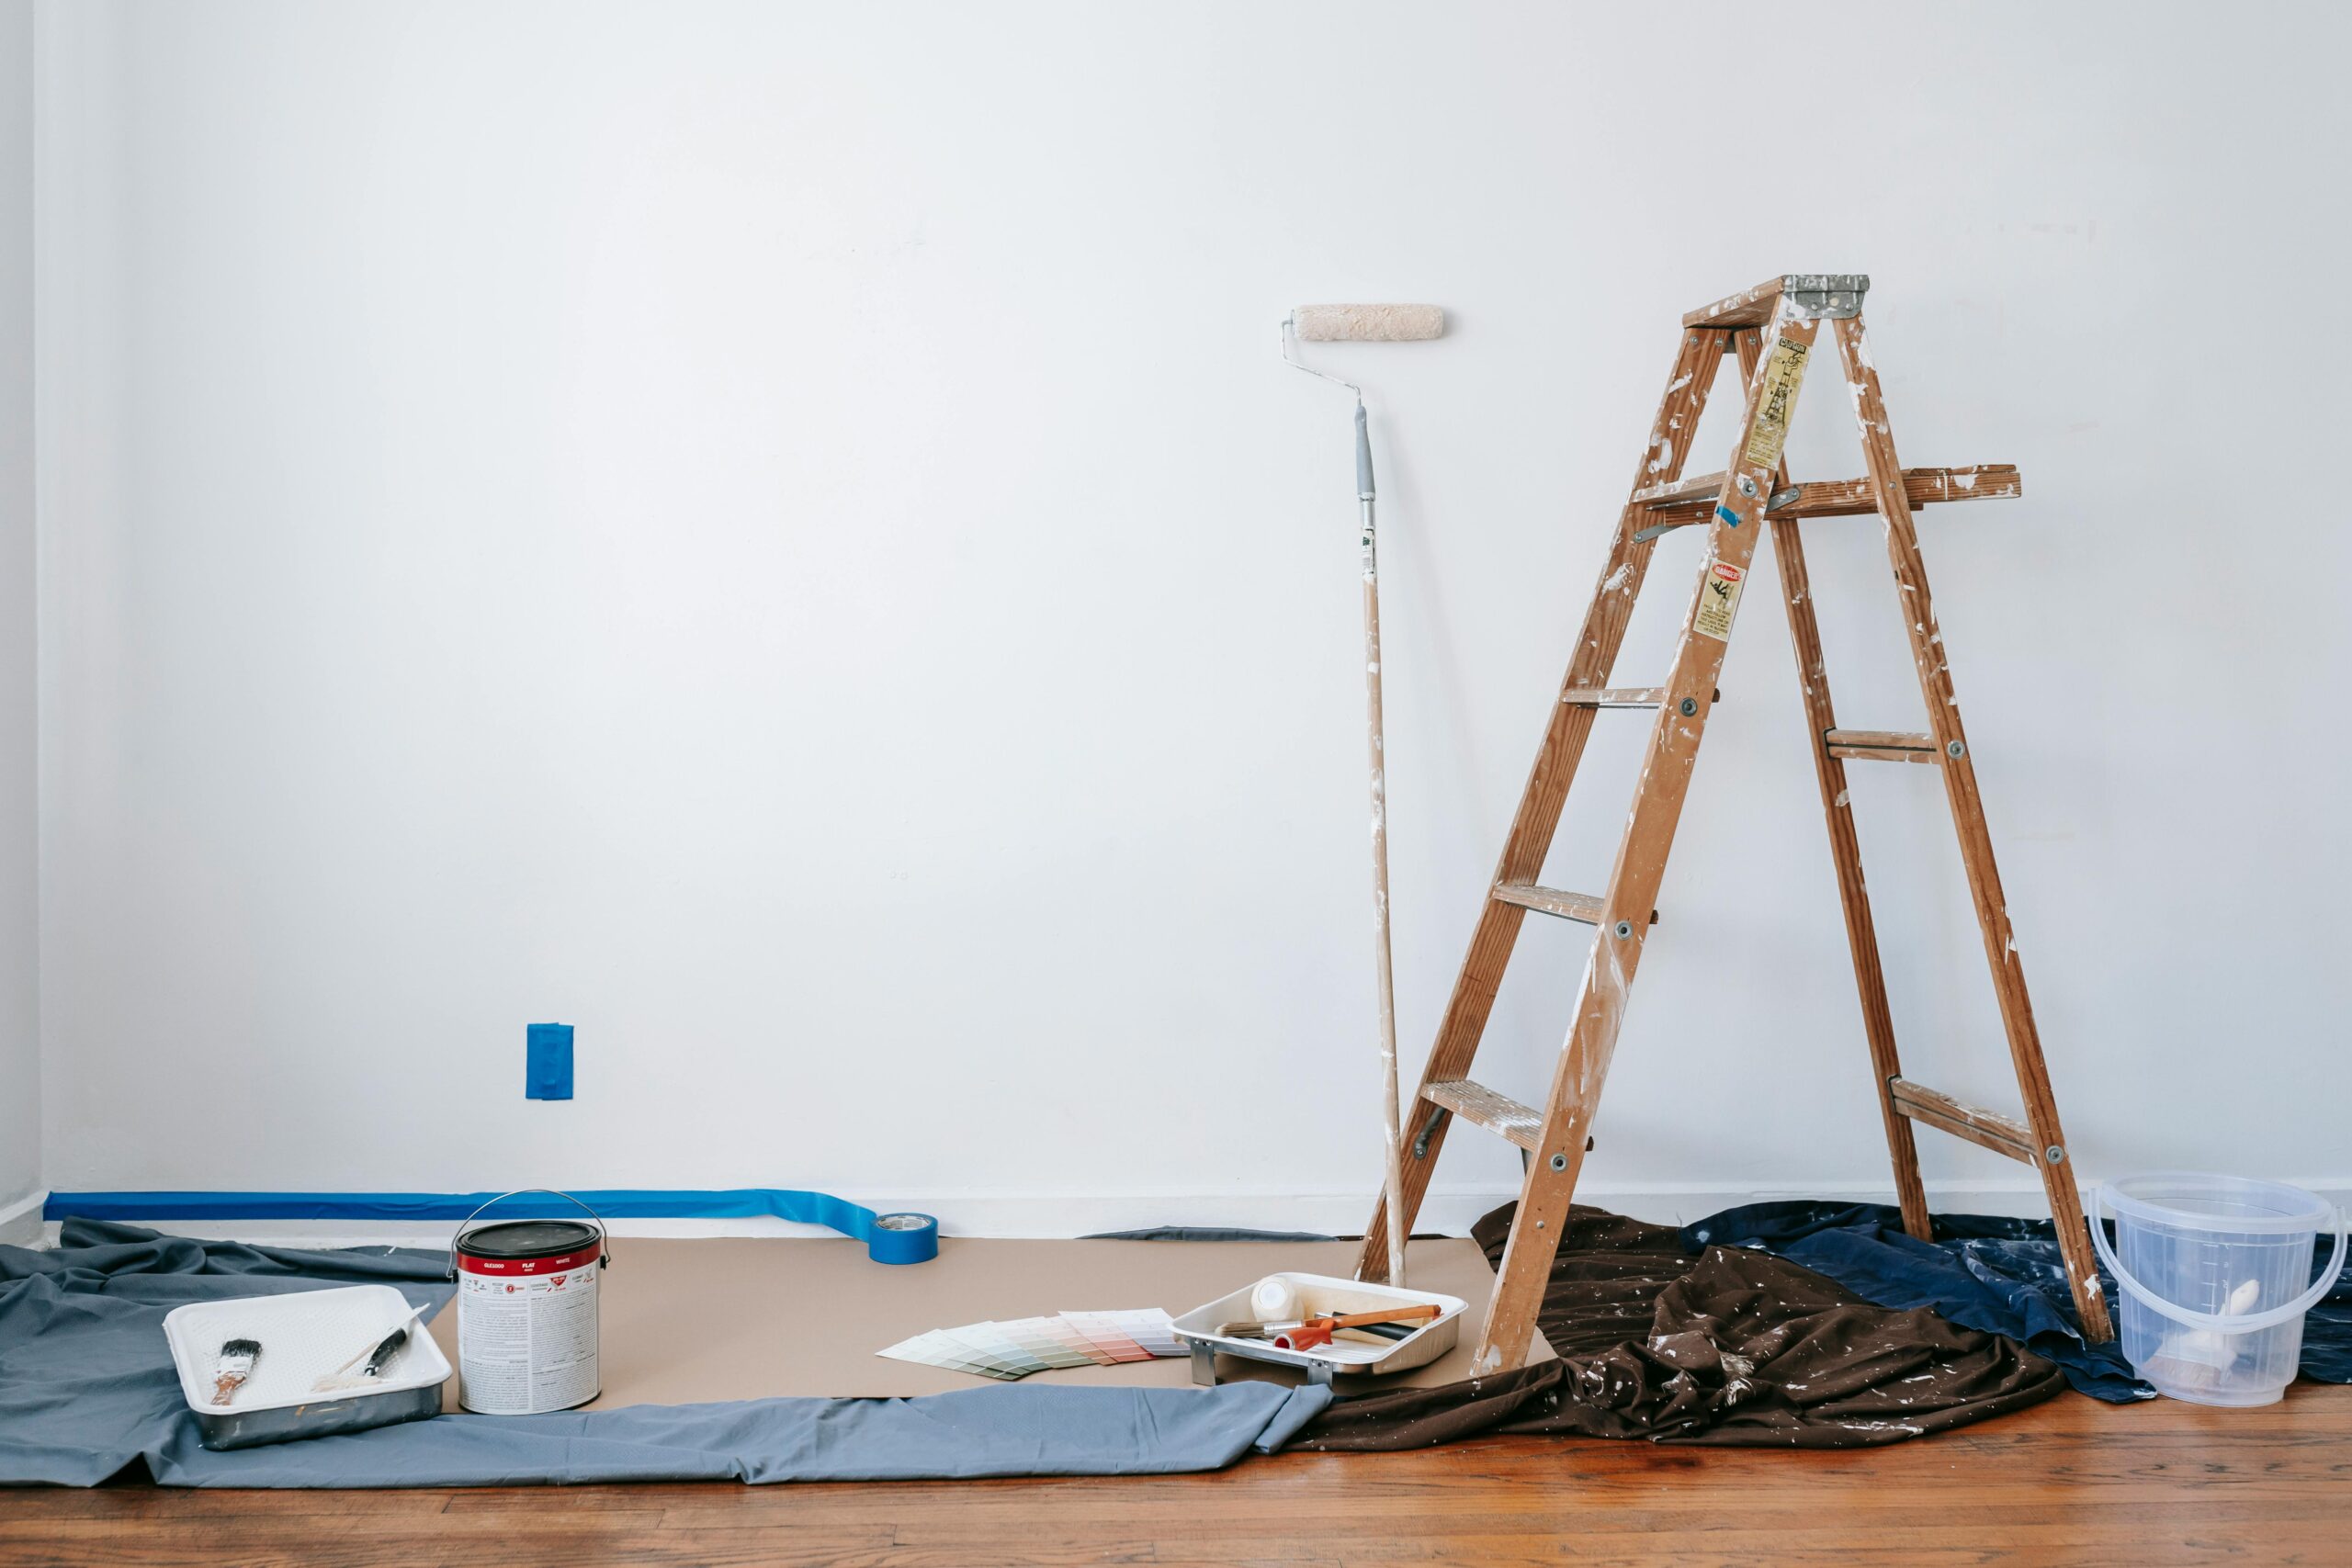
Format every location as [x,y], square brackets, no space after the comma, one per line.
[889,1238]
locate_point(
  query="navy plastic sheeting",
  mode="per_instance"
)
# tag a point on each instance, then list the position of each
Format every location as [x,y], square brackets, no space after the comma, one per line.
[88,1391]
[1985,1271]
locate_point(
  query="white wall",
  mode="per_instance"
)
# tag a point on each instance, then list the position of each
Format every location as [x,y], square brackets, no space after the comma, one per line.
[778,535]
[20,1114]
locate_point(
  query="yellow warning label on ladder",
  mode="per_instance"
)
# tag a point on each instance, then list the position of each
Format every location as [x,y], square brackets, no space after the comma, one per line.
[1781,374]
[1720,602]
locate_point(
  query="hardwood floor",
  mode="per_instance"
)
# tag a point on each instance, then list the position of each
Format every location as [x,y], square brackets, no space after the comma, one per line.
[2071,1480]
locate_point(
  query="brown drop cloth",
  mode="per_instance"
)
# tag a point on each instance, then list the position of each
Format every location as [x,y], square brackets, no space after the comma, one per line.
[1732,1347]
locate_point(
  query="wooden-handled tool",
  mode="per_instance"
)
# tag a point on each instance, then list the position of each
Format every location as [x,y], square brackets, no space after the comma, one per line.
[1373,323]
[1308,1332]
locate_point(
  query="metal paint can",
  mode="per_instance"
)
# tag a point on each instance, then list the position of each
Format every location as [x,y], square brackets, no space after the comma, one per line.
[527,1311]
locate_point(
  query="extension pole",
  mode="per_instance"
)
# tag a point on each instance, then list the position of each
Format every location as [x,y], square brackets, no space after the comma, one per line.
[1373,323]
[1391,1125]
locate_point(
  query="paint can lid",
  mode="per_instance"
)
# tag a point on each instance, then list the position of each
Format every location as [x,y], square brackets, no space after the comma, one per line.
[528,1238]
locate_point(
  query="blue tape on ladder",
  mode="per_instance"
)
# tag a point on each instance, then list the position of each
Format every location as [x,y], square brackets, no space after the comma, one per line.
[889,1238]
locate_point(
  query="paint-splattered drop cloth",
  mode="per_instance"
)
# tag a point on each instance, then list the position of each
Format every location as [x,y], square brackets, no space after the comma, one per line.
[1730,1347]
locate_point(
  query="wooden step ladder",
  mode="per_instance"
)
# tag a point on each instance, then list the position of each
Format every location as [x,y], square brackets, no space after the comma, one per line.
[1772,329]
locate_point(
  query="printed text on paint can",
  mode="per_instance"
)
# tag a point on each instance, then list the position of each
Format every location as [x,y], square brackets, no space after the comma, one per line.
[526,1343]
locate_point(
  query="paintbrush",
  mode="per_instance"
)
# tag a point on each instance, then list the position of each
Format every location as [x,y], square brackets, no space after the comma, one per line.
[377,1354]
[236,1364]
[1417,1313]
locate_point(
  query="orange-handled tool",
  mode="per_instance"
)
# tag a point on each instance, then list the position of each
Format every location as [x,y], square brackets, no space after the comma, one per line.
[1317,1331]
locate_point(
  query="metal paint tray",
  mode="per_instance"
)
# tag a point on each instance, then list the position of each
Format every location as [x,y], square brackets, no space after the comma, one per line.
[1324,1293]
[303,1335]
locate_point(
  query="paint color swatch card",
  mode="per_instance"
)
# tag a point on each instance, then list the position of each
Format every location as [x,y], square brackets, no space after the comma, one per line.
[984,1344]
[936,1350]
[1016,1348]
[1044,1338]
[1148,1329]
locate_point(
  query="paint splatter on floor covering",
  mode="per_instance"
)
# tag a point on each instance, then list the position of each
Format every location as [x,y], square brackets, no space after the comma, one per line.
[1732,1347]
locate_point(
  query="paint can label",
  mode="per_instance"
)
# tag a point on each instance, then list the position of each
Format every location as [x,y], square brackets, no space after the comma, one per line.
[1719,601]
[527,1333]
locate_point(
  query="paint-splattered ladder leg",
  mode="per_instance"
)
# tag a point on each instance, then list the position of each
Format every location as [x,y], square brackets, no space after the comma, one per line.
[1696,361]
[1640,866]
[1845,851]
[1968,820]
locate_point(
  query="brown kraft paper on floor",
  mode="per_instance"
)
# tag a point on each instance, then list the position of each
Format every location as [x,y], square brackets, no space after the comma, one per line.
[688,1321]
[1732,1347]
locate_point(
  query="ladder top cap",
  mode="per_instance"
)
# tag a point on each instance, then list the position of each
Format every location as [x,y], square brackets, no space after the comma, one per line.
[1816,295]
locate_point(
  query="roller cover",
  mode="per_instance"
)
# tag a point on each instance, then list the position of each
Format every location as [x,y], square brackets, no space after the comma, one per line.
[1368,324]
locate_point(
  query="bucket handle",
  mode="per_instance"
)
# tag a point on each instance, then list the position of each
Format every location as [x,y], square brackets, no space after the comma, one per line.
[603,1238]
[2221,1322]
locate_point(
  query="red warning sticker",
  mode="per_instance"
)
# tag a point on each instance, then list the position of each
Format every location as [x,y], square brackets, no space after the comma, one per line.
[1719,601]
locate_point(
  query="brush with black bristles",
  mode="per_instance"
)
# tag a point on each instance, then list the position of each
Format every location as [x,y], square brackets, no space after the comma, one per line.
[236,1364]
[377,1353]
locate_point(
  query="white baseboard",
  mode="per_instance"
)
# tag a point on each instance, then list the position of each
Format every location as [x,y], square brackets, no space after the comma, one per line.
[1449,1210]
[20,1224]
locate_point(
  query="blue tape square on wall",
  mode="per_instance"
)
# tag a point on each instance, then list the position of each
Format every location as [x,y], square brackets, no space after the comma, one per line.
[548,1060]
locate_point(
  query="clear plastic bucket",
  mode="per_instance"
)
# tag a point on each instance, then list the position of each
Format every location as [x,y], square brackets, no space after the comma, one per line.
[2216,1272]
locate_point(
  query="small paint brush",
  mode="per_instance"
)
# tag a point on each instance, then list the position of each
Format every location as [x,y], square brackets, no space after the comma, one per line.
[236,1364]
[376,1358]
[1421,1312]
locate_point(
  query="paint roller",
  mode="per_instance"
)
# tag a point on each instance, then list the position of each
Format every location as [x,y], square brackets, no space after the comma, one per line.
[1373,323]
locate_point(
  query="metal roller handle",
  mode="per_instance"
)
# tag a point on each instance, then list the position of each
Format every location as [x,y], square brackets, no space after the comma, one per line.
[1363,456]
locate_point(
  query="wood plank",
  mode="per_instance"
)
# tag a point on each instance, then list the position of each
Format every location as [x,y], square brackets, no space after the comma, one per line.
[1640,865]
[1568,725]
[1490,1109]
[1985,1129]
[1748,308]
[1690,491]
[1882,754]
[1681,506]
[1845,849]
[1585,908]
[1921,488]
[1879,739]
[1959,774]
[1614,696]
[1880,745]
[2159,1484]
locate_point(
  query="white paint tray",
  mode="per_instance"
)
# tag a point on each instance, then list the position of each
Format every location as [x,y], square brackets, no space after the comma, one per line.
[1324,1295]
[304,1336]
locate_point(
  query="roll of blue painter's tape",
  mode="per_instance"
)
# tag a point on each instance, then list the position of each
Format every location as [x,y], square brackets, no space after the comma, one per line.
[902,1238]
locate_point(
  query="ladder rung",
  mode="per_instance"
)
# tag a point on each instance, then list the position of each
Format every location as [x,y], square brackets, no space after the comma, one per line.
[1497,1112]
[1986,1129]
[1702,487]
[1615,696]
[1582,907]
[1693,500]
[1921,487]
[1882,745]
